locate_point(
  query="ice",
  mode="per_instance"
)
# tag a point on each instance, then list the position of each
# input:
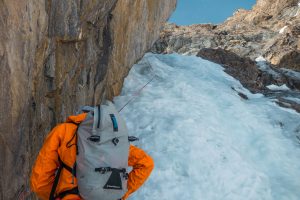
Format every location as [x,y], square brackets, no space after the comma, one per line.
[281,31]
[291,73]
[296,100]
[276,87]
[207,142]
[264,66]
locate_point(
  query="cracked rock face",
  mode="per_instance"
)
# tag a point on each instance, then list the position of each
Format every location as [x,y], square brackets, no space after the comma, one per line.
[57,55]
[271,29]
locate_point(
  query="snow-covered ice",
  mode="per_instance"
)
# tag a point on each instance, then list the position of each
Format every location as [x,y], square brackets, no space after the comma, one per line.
[206,141]
[276,87]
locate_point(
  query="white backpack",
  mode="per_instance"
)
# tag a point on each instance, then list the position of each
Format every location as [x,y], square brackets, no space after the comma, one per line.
[102,157]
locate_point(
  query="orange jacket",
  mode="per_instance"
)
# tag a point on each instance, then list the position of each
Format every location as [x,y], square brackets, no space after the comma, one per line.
[43,172]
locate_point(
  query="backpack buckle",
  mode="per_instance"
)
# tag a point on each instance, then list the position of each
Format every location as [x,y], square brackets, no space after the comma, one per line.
[132,138]
[102,170]
[126,175]
[94,138]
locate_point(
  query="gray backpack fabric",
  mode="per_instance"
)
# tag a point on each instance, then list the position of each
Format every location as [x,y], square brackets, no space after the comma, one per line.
[102,158]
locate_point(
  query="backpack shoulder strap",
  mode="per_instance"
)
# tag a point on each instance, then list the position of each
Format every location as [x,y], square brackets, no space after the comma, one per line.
[57,175]
[56,180]
[67,192]
[63,165]
[69,143]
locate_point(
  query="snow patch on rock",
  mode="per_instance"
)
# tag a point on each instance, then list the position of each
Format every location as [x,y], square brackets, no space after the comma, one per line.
[260,59]
[296,100]
[281,31]
[276,87]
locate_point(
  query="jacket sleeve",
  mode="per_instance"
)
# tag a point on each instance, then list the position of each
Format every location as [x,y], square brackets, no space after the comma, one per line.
[142,165]
[43,172]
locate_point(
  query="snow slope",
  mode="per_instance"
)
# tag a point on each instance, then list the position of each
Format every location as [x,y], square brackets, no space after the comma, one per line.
[207,142]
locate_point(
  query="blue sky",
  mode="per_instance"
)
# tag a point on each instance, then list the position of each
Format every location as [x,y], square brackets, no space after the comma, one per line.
[207,11]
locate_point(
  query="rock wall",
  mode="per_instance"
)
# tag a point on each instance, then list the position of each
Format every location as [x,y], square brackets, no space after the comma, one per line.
[271,29]
[57,55]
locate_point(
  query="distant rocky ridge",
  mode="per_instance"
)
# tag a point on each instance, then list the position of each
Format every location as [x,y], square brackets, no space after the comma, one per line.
[271,29]
[270,32]
[56,56]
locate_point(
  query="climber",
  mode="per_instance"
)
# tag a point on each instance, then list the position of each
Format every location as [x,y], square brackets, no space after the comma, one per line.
[53,174]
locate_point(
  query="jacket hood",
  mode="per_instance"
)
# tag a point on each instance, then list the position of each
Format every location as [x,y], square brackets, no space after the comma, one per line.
[76,118]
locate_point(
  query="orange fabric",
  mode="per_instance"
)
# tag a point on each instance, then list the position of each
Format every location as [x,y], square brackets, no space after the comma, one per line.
[58,143]
[142,165]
